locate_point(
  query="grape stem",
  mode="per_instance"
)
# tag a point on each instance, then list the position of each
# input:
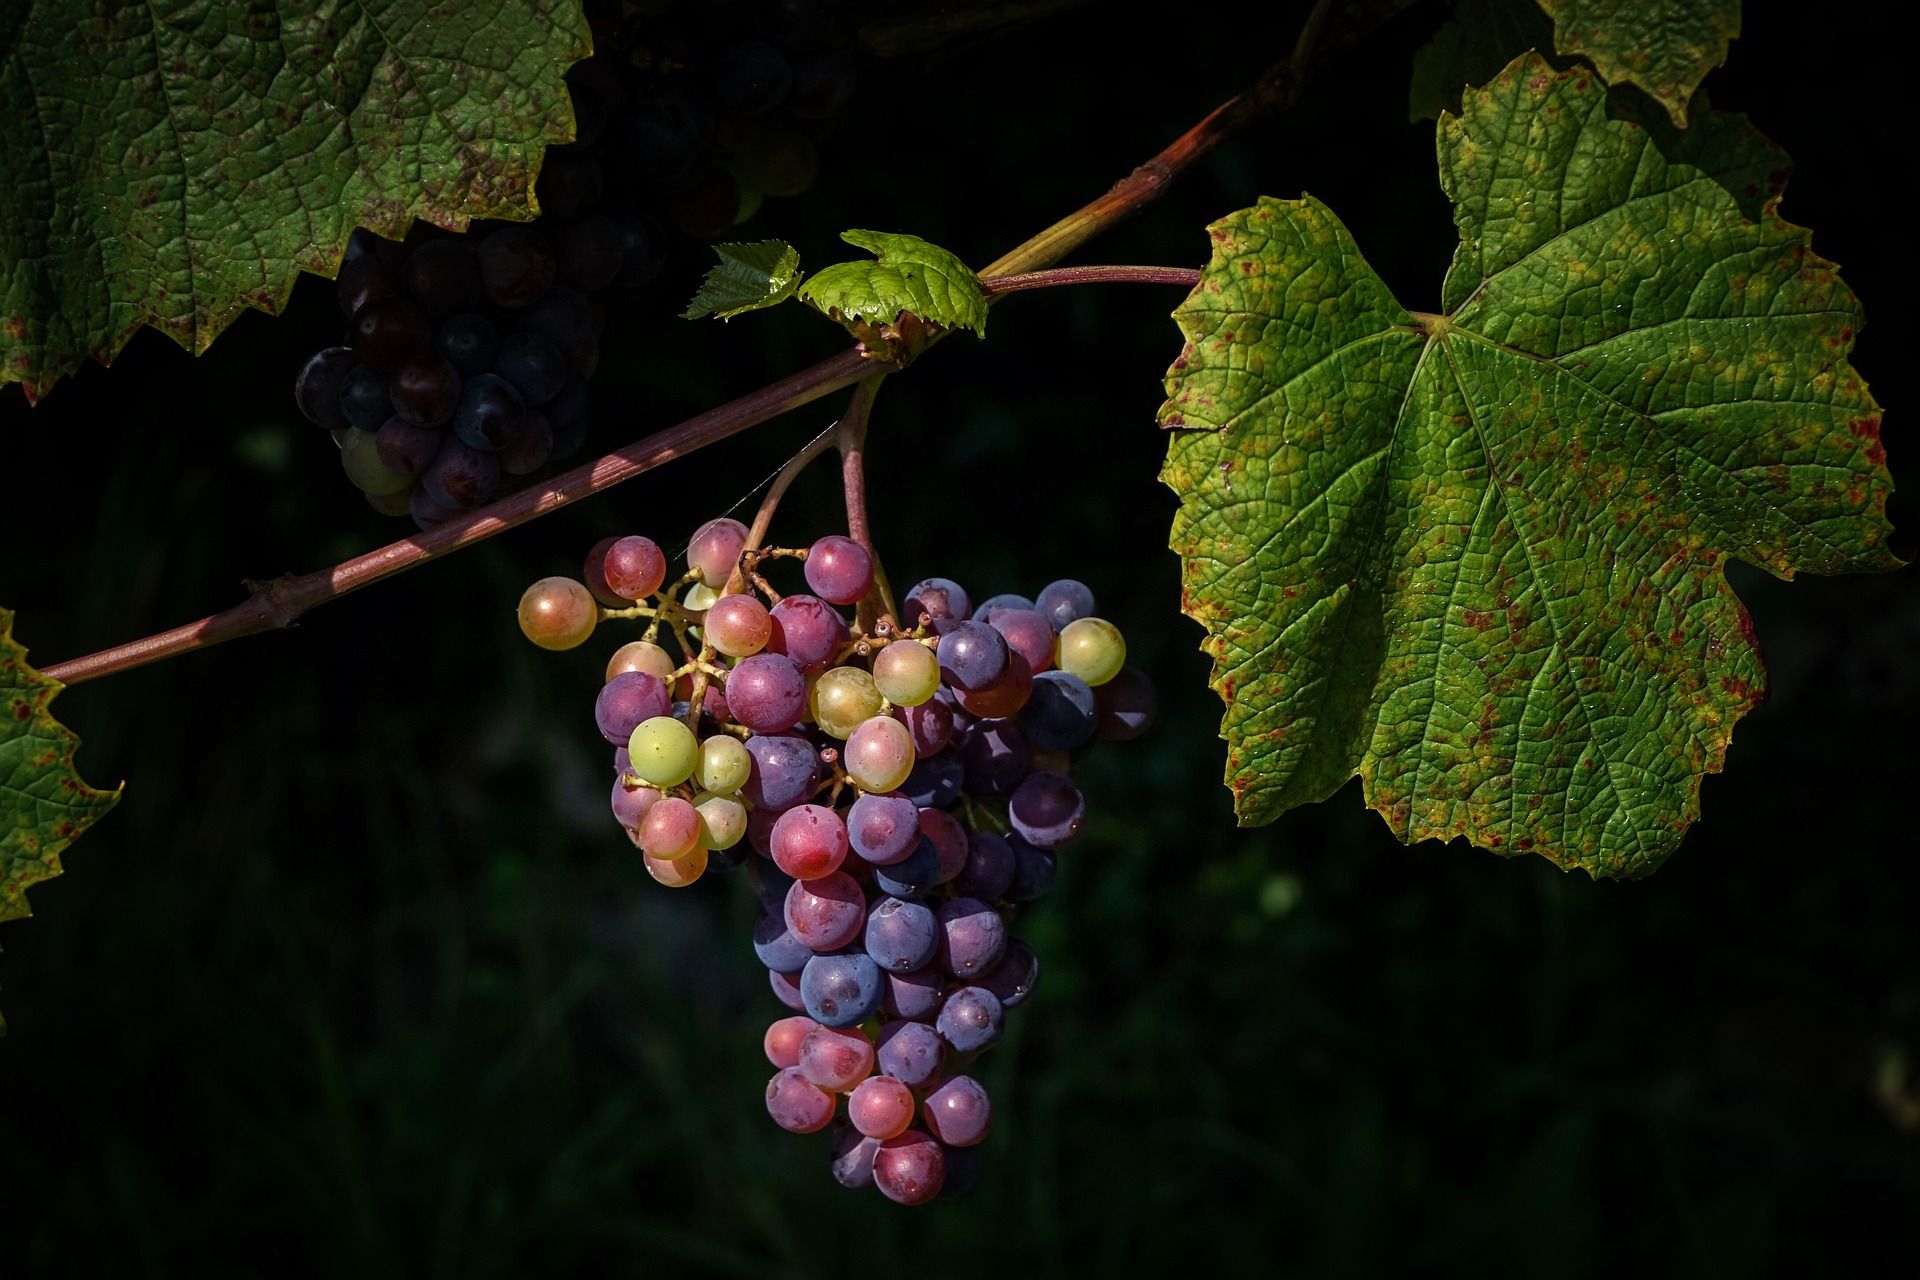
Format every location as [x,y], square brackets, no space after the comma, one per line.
[996,286]
[282,601]
[878,601]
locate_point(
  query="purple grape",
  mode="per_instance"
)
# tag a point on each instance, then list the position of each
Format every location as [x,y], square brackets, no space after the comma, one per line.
[786,989]
[1032,871]
[407,448]
[767,692]
[565,317]
[930,723]
[1060,712]
[533,365]
[914,996]
[807,629]
[841,990]
[1126,706]
[587,252]
[883,828]
[317,389]
[461,478]
[425,511]
[949,842]
[468,343]
[942,599]
[491,414]
[973,937]
[776,946]
[516,266]
[388,332]
[363,277]
[825,913]
[630,804]
[770,885]
[1014,977]
[853,1159]
[530,452]
[441,277]
[970,1020]
[626,700]
[958,1112]
[972,656]
[984,611]
[839,569]
[901,936]
[1046,809]
[1027,634]
[997,758]
[910,1052]
[934,781]
[785,771]
[1063,602]
[425,392]
[913,875]
[989,869]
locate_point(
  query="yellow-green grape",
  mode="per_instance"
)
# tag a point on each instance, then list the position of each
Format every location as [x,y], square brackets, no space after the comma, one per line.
[662,751]
[360,455]
[879,755]
[723,820]
[640,655]
[699,598]
[558,613]
[680,872]
[843,698]
[907,673]
[1093,649]
[724,764]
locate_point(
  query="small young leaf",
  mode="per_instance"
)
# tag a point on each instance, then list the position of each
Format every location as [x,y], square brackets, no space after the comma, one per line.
[908,275]
[1471,47]
[1478,559]
[43,803]
[747,278]
[173,164]
[1667,47]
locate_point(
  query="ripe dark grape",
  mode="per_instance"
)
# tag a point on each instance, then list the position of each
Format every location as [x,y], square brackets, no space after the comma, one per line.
[588,252]
[516,266]
[989,869]
[914,996]
[1060,714]
[366,400]
[468,343]
[784,769]
[883,828]
[826,912]
[461,477]
[563,317]
[777,948]
[806,629]
[491,413]
[903,936]
[841,990]
[425,392]
[388,332]
[442,278]
[321,381]
[407,448]
[958,1112]
[1126,706]
[972,655]
[912,875]
[1046,809]
[970,1020]
[1063,602]
[530,452]
[910,1169]
[533,365]
[1014,977]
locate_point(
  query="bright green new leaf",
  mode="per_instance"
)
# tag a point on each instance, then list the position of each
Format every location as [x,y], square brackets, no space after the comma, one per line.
[1478,559]
[1664,46]
[170,163]
[44,805]
[1471,47]
[747,278]
[910,275]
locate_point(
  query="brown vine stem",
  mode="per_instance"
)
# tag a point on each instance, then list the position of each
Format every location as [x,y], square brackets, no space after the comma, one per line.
[853,482]
[995,286]
[280,602]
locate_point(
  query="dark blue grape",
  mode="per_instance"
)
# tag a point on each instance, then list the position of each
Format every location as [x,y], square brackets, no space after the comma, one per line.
[1063,602]
[1046,810]
[1032,871]
[1060,713]
[322,379]
[989,869]
[901,936]
[786,989]
[997,758]
[1127,704]
[770,885]
[491,413]
[468,343]
[913,875]
[910,1052]
[972,655]
[775,944]
[565,317]
[934,781]
[941,599]
[643,250]
[533,365]
[530,452]
[388,332]
[970,1020]
[1013,979]
[841,989]
[365,400]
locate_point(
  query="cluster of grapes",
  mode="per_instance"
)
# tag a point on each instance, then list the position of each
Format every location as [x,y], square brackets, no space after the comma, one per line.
[905,790]
[464,369]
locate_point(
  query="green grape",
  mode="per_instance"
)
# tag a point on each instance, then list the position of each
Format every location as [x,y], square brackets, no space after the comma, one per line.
[724,764]
[1093,649]
[558,613]
[842,699]
[723,820]
[699,598]
[663,752]
[906,673]
[360,455]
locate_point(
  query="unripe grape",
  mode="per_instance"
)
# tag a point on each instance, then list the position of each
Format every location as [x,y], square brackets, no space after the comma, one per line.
[738,625]
[640,655]
[679,872]
[842,699]
[880,1107]
[715,550]
[723,820]
[558,613]
[906,673]
[879,754]
[663,751]
[725,764]
[699,598]
[360,456]
[1093,649]
[670,830]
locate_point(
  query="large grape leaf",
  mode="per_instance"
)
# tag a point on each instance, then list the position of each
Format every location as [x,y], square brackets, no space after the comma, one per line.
[1667,47]
[171,162]
[1477,558]
[44,805]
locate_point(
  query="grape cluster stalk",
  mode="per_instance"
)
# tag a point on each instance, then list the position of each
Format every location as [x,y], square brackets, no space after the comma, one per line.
[895,791]
[464,369]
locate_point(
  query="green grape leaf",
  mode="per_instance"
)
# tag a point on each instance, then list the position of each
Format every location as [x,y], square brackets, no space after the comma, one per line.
[747,278]
[1478,558]
[173,162]
[1470,47]
[44,806]
[908,275]
[1664,46]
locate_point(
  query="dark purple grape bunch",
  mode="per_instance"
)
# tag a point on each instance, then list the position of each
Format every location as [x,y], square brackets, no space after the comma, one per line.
[464,368]
[906,787]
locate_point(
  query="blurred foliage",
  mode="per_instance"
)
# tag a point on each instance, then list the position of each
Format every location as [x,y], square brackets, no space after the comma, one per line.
[359,979]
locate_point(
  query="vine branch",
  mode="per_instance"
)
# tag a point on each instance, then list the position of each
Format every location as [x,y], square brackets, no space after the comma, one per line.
[280,602]
[852,438]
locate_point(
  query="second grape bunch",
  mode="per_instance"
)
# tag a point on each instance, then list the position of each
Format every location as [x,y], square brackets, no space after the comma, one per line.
[896,787]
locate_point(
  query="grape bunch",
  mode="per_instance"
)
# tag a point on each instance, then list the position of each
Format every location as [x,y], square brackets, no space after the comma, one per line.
[465,364]
[896,791]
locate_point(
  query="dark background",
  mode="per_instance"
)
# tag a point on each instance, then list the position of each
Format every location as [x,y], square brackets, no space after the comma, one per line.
[360,978]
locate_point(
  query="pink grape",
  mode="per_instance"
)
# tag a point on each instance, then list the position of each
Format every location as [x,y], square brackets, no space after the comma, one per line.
[767,693]
[958,1112]
[796,1104]
[671,829]
[809,841]
[738,625]
[806,629]
[839,569]
[881,1107]
[634,567]
[558,613]
[836,1058]
[826,914]
[782,1041]
[714,552]
[630,804]
[909,1168]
